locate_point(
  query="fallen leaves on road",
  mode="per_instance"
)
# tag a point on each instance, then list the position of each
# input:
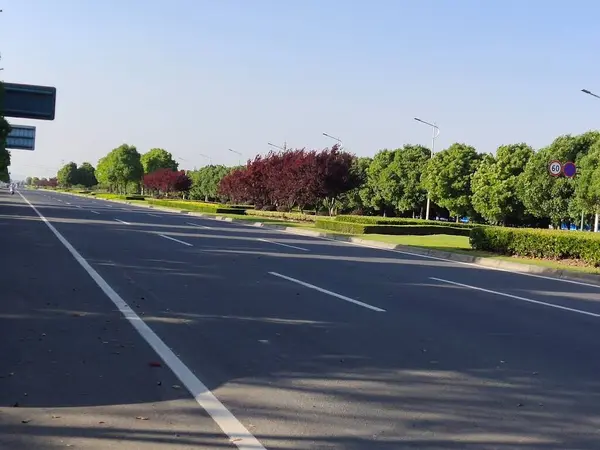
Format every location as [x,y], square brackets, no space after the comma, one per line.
[141,418]
[25,420]
[154,364]
[176,386]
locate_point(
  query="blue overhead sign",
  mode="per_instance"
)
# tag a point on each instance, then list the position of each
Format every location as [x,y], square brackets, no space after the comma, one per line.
[27,101]
[21,137]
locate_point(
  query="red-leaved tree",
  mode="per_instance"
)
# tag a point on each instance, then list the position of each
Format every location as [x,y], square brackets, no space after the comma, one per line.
[296,178]
[163,182]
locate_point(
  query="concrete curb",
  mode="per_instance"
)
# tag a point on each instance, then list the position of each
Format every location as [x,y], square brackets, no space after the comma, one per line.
[562,274]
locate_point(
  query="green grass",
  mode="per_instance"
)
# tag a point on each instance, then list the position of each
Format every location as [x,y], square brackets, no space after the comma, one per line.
[435,241]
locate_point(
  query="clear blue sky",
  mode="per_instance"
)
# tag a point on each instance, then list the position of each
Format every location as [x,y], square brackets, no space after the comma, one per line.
[202,76]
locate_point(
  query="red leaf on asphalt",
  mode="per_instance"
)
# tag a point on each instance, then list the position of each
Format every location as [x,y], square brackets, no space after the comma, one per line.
[154,364]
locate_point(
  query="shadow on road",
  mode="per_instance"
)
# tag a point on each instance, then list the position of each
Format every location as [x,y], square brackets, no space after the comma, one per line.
[299,371]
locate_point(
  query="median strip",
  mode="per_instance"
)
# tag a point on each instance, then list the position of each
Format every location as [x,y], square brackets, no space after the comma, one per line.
[325,291]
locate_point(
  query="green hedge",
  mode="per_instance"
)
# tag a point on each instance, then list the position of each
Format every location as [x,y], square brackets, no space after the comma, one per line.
[374,220]
[536,243]
[300,217]
[362,228]
[196,207]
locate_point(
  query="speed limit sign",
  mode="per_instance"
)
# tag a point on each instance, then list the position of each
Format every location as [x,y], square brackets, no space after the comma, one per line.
[555,168]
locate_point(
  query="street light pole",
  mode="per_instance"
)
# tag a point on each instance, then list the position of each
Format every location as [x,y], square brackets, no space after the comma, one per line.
[207,157]
[237,153]
[596,217]
[436,133]
[335,139]
[276,146]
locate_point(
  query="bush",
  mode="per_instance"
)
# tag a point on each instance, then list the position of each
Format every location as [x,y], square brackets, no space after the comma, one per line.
[374,220]
[196,206]
[536,243]
[300,217]
[414,230]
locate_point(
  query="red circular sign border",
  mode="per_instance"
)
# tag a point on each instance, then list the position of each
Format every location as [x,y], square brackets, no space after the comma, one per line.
[561,168]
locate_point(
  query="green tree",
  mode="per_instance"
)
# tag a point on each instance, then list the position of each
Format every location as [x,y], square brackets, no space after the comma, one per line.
[394,178]
[495,185]
[28,181]
[67,175]
[550,197]
[158,158]
[86,175]
[448,177]
[4,154]
[120,170]
[354,200]
[205,182]
[587,181]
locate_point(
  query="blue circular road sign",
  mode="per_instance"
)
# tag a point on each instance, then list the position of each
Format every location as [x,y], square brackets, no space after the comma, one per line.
[569,169]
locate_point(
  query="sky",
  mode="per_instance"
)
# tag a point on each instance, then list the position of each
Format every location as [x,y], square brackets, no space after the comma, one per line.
[199,77]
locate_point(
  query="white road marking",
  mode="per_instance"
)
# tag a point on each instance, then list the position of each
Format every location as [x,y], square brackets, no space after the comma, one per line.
[153,215]
[95,212]
[516,297]
[325,291]
[197,225]
[77,206]
[123,222]
[68,203]
[233,428]
[176,240]
[284,245]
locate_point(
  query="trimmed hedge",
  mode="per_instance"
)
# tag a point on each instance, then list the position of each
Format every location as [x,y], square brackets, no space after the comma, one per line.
[108,196]
[374,220]
[196,207]
[300,217]
[363,228]
[537,243]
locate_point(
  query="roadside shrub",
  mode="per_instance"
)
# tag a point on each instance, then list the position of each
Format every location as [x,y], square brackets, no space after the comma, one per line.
[196,207]
[536,243]
[299,217]
[414,230]
[374,220]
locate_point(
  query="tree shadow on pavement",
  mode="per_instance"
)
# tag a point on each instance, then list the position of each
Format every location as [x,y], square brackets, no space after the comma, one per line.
[299,369]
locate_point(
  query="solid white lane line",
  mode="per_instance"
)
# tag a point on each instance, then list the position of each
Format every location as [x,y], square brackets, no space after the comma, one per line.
[325,291]
[197,225]
[123,222]
[233,428]
[95,212]
[176,240]
[516,297]
[284,245]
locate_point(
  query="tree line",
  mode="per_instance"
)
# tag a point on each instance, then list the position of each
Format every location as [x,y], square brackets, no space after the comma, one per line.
[510,187]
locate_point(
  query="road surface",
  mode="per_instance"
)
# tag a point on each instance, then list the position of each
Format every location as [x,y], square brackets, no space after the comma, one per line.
[123,327]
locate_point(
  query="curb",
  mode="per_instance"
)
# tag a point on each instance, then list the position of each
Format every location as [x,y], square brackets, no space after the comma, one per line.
[491,263]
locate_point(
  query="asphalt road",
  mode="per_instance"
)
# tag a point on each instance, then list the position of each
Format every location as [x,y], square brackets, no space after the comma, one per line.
[286,342]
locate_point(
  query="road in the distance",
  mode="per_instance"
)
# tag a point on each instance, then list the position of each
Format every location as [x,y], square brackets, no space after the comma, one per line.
[308,343]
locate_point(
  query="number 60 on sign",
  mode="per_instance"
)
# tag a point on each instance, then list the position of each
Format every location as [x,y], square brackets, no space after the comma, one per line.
[555,168]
